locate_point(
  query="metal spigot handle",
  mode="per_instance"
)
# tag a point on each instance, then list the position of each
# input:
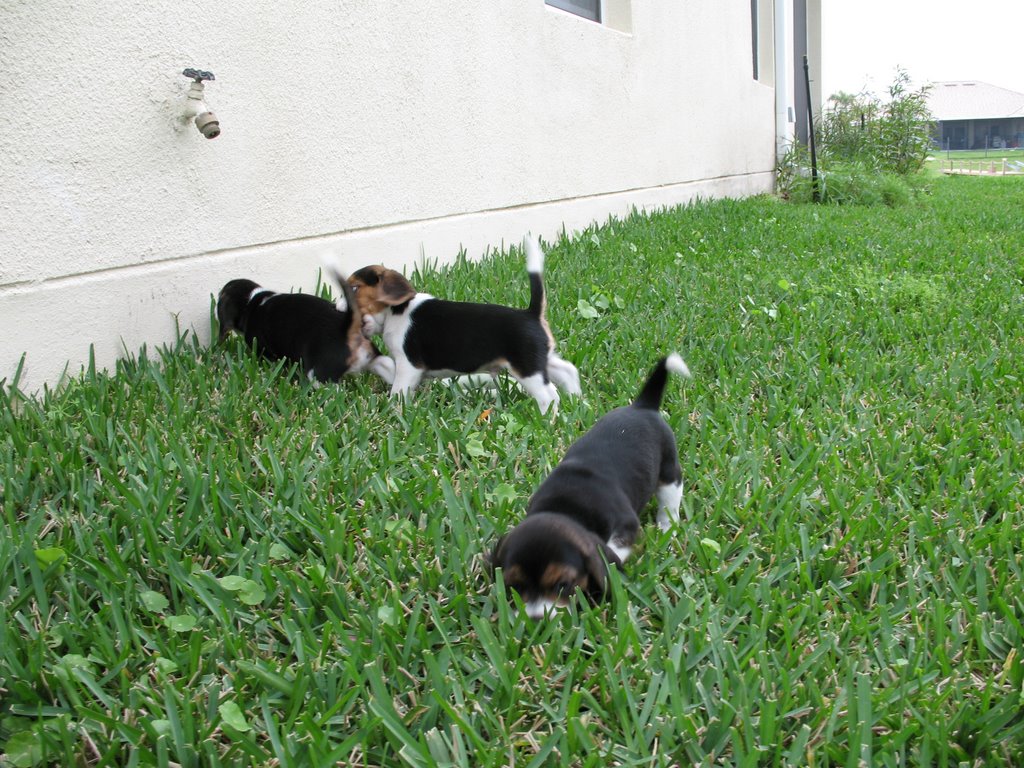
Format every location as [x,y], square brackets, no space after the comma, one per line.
[198,74]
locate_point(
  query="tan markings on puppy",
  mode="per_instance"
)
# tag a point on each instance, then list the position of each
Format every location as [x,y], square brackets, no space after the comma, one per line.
[544,323]
[576,534]
[394,288]
[559,574]
[365,284]
[512,575]
[587,545]
[386,288]
[358,345]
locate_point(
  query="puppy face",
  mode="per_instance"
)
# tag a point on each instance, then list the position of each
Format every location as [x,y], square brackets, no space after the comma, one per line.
[547,557]
[231,304]
[377,289]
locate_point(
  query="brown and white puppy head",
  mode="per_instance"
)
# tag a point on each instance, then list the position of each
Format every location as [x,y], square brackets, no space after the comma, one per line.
[547,557]
[362,353]
[231,305]
[377,289]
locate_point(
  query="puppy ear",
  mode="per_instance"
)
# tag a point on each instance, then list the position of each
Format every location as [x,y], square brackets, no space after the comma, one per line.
[226,326]
[493,557]
[597,560]
[395,289]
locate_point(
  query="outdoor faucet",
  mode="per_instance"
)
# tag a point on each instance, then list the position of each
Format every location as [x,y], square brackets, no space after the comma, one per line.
[195,106]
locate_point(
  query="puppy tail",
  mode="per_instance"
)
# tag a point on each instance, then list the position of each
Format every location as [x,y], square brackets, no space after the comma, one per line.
[535,269]
[348,301]
[654,387]
[350,297]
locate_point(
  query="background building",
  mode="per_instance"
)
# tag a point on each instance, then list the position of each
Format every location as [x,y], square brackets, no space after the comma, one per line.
[975,115]
[379,132]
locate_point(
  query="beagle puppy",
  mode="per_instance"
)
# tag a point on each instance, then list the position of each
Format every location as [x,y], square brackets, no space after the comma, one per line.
[585,515]
[433,337]
[325,339]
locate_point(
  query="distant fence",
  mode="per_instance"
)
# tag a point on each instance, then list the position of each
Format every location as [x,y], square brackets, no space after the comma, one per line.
[1002,167]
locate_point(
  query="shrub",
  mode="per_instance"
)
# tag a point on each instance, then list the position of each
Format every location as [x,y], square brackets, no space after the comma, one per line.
[866,148]
[849,184]
[894,136]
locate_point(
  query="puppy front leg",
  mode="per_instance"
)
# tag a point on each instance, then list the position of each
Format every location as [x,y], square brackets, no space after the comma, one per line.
[384,367]
[620,548]
[407,376]
[564,374]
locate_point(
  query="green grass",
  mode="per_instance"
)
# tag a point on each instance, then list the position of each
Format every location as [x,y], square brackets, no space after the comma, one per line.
[980,154]
[208,562]
[973,158]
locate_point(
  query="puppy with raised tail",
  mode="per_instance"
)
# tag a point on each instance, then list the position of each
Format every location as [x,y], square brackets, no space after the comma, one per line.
[585,515]
[432,337]
[325,339]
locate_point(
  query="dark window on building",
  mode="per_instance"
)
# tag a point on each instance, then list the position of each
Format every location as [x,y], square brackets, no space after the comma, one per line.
[588,9]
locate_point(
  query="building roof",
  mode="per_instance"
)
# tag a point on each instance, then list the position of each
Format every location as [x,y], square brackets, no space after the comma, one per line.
[973,100]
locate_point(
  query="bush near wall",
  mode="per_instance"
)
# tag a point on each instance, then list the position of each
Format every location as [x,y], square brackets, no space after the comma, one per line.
[868,150]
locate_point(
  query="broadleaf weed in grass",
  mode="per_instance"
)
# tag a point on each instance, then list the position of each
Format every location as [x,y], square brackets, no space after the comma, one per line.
[845,583]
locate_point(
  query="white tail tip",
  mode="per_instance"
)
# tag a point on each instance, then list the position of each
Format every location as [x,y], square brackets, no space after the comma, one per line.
[676,364]
[534,255]
[330,265]
[331,271]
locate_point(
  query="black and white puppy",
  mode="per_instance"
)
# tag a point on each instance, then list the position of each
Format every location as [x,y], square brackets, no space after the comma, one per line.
[433,337]
[325,339]
[585,515]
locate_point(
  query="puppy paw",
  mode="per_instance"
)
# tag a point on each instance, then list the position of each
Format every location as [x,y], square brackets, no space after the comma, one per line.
[384,366]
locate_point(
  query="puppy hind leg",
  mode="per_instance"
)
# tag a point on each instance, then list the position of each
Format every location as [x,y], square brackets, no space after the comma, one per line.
[542,391]
[407,376]
[670,496]
[328,366]
[564,374]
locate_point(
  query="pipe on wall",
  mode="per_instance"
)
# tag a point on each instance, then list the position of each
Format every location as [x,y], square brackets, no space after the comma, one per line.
[784,118]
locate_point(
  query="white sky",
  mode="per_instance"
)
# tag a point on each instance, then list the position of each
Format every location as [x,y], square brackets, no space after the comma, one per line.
[863,41]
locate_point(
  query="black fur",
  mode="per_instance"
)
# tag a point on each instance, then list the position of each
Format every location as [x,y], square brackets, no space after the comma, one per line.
[608,475]
[298,327]
[593,496]
[465,337]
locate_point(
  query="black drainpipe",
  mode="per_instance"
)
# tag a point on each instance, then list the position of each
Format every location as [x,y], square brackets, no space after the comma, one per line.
[815,196]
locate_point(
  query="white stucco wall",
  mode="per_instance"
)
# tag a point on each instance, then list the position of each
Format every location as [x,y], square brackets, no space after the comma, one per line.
[382,132]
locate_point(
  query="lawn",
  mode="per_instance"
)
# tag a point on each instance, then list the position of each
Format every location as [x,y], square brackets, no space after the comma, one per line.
[975,159]
[979,154]
[206,561]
